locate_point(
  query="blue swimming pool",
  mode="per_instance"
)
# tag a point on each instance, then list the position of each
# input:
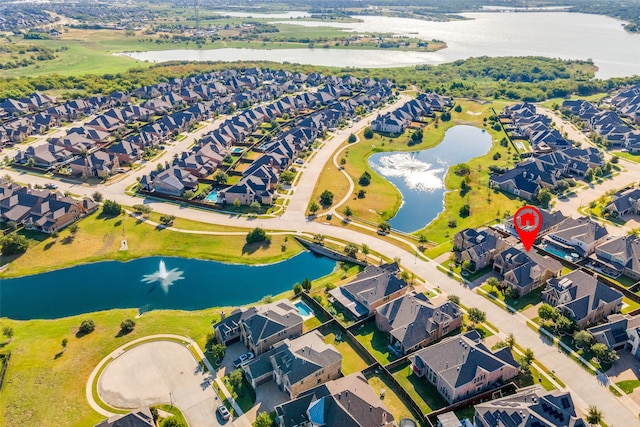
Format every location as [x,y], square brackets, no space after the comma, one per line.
[558,252]
[303,309]
[237,150]
[212,197]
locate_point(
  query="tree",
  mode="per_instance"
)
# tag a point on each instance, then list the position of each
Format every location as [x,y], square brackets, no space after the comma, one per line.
[384,227]
[326,198]
[127,326]
[454,299]
[172,422]
[544,197]
[236,203]
[263,420]
[74,228]
[547,312]
[12,226]
[458,108]
[14,244]
[368,132]
[97,196]
[493,282]
[582,338]
[7,331]
[351,250]
[142,209]
[221,177]
[347,212]
[465,211]
[255,206]
[313,207]
[86,327]
[602,352]
[218,351]
[111,208]
[318,238]
[306,284]
[287,177]
[167,220]
[564,324]
[64,344]
[528,356]
[594,415]
[352,139]
[297,289]
[510,341]
[365,249]
[476,315]
[365,179]
[257,235]
[422,239]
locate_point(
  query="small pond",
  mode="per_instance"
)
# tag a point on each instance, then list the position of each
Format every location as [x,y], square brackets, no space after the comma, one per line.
[420,175]
[152,283]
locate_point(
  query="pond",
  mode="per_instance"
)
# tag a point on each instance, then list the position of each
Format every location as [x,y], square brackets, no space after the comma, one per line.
[419,175]
[152,283]
[551,34]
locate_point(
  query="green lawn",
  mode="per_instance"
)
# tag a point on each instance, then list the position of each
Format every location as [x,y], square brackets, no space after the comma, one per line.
[99,238]
[244,396]
[529,300]
[628,386]
[310,323]
[421,391]
[352,361]
[629,305]
[177,415]
[376,342]
[44,385]
[391,399]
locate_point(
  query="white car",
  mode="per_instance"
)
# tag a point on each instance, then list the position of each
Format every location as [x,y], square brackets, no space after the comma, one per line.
[243,359]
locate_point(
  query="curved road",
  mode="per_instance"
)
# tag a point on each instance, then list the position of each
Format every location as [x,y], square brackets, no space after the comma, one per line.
[618,411]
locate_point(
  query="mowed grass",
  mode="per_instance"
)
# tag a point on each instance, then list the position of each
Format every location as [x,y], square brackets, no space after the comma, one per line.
[99,238]
[45,387]
[351,360]
[421,391]
[392,400]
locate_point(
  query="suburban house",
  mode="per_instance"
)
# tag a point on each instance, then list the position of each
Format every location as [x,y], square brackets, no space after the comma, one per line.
[346,402]
[296,365]
[41,210]
[580,236]
[373,287]
[530,406]
[619,332]
[550,220]
[265,325]
[99,164]
[625,202]
[462,366]
[478,247]
[620,255]
[525,271]
[141,417]
[413,322]
[581,297]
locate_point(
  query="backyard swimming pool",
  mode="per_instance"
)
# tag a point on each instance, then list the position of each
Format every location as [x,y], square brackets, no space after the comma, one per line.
[303,309]
[212,196]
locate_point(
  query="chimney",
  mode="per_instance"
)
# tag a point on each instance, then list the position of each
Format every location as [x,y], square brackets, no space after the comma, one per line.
[222,315]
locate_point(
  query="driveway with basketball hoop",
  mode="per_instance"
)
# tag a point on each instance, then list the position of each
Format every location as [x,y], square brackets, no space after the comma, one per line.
[160,372]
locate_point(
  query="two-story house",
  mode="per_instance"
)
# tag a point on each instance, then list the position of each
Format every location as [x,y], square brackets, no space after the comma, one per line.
[582,297]
[413,322]
[462,366]
[620,255]
[263,326]
[580,235]
[373,287]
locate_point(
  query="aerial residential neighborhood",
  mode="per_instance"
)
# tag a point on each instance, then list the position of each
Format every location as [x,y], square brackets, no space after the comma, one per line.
[337,214]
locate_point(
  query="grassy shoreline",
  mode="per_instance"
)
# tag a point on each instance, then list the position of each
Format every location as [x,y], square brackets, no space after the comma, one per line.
[99,239]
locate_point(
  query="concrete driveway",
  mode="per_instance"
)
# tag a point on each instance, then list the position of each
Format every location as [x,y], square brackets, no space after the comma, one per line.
[233,352]
[161,372]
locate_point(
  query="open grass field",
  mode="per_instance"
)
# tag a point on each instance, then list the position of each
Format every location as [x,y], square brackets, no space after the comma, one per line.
[99,238]
[45,385]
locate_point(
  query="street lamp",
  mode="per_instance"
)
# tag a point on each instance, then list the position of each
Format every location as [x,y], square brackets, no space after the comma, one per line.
[171,400]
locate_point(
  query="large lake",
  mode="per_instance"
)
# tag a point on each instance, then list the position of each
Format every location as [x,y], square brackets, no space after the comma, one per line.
[551,34]
[112,284]
[420,175]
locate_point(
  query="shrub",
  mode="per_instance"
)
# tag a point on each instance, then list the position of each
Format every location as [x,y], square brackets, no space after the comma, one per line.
[365,179]
[352,139]
[297,288]
[14,244]
[368,132]
[127,326]
[257,235]
[465,211]
[86,327]
[326,198]
[111,208]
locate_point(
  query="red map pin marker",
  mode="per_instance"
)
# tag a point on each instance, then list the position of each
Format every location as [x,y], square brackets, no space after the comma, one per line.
[527,221]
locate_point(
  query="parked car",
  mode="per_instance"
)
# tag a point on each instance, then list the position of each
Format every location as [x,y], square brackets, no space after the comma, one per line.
[51,186]
[224,412]
[243,359]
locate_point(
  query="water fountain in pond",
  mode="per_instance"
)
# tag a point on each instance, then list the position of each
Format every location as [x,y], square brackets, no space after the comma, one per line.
[166,278]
